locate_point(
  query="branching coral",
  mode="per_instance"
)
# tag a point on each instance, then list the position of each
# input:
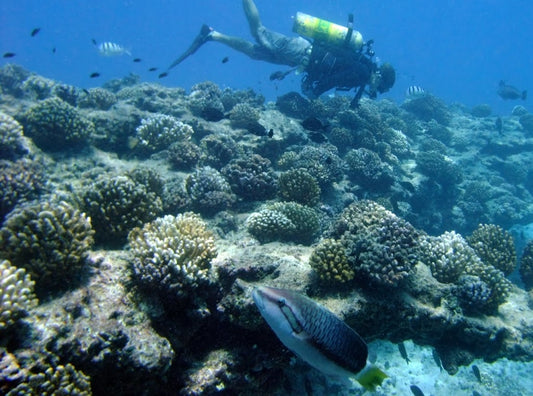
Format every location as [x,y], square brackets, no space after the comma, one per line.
[159,131]
[494,246]
[172,254]
[51,241]
[299,186]
[16,294]
[287,221]
[209,191]
[322,163]
[379,245]
[331,264]
[526,266]
[40,373]
[11,137]
[97,98]
[20,181]
[243,115]
[366,169]
[55,125]
[251,178]
[118,204]
[446,255]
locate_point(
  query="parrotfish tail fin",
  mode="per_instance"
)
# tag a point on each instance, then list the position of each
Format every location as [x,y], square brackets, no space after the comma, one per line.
[371,377]
[524,95]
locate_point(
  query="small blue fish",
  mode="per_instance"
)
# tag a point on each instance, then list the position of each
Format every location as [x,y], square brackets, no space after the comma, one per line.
[403,352]
[317,336]
[112,49]
[416,390]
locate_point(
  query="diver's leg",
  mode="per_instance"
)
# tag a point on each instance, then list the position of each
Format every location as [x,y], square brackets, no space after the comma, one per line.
[252,14]
[237,43]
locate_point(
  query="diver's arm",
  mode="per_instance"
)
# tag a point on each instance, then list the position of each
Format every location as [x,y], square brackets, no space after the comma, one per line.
[355,101]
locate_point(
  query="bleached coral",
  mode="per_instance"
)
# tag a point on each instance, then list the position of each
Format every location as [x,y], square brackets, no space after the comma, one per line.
[172,253]
[16,294]
[159,131]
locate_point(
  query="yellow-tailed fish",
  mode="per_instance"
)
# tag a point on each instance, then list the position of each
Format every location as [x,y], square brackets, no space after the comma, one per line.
[317,336]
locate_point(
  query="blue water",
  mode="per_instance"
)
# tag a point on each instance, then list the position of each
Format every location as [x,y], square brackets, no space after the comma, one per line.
[457,50]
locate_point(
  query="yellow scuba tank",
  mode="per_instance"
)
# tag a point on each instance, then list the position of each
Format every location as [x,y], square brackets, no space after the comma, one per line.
[326,32]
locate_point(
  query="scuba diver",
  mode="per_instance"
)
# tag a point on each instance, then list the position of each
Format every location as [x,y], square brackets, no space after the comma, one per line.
[337,58]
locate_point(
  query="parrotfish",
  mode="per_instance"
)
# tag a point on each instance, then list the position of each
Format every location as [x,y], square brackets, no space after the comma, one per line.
[317,336]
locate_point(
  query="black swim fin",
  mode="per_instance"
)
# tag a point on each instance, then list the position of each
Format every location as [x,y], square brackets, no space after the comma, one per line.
[202,37]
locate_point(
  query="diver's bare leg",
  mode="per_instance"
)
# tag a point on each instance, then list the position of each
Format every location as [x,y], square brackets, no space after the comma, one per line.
[252,14]
[236,43]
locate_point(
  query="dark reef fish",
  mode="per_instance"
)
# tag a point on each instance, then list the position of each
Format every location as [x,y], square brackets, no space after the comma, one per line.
[476,393]
[152,69]
[225,59]
[94,75]
[35,31]
[256,128]
[436,358]
[271,133]
[477,373]
[508,92]
[314,124]
[137,60]
[403,352]
[8,55]
[162,75]
[317,336]
[212,114]
[416,390]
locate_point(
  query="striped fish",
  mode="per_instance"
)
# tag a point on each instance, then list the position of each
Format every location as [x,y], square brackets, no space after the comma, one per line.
[414,90]
[112,49]
[317,336]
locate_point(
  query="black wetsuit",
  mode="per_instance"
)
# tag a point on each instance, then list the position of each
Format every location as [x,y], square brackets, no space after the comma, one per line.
[342,69]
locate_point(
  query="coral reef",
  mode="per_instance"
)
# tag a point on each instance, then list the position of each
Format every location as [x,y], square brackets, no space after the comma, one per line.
[365,168]
[299,186]
[40,373]
[447,255]
[322,163]
[293,104]
[205,99]
[97,98]
[243,115]
[481,110]
[54,125]
[494,246]
[183,155]
[526,266]
[11,78]
[11,138]
[51,241]
[38,87]
[286,221]
[498,285]
[116,205]
[251,178]
[379,245]
[159,131]
[16,294]
[172,254]
[428,107]
[67,93]
[439,168]
[330,263]
[209,191]
[473,293]
[219,150]
[20,181]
